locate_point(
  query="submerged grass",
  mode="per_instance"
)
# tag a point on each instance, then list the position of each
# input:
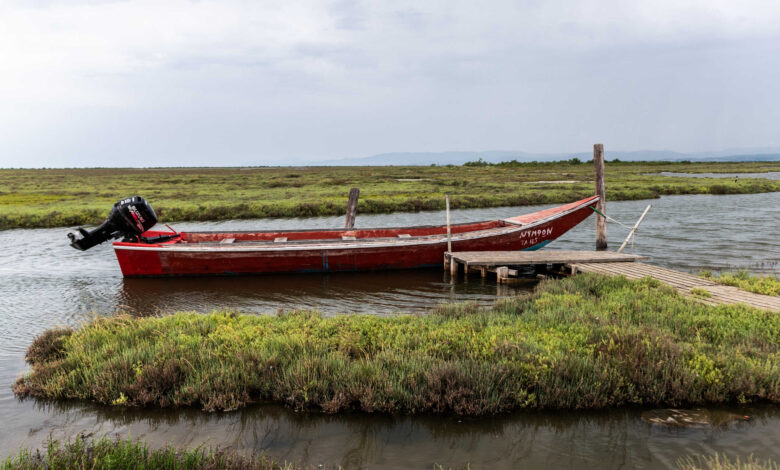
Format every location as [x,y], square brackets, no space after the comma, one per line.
[584,342]
[67,197]
[759,284]
[126,454]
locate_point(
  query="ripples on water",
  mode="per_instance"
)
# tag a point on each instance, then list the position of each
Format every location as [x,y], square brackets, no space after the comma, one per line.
[44,283]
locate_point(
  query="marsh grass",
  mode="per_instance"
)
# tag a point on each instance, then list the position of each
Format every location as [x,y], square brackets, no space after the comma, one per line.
[699,292]
[584,342]
[126,454]
[760,284]
[68,197]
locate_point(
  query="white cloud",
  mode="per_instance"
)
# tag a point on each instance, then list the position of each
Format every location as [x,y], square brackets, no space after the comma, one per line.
[174,80]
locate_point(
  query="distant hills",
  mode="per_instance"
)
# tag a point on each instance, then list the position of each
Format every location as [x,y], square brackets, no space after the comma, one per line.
[496,156]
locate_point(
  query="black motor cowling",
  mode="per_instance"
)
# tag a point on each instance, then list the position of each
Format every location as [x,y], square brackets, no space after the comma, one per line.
[129,218]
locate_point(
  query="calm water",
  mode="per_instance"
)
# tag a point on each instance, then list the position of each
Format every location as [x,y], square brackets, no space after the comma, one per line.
[44,283]
[771,175]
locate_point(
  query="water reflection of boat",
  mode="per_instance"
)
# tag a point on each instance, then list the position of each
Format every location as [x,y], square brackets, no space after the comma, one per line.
[252,252]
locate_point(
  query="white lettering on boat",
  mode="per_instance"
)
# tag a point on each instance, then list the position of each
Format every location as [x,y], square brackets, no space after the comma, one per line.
[542,232]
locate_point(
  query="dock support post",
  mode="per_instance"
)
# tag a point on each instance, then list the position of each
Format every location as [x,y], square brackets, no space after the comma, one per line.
[453,267]
[354,193]
[502,273]
[601,192]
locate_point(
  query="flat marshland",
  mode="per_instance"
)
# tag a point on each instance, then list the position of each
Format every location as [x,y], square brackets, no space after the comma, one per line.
[67,197]
[583,342]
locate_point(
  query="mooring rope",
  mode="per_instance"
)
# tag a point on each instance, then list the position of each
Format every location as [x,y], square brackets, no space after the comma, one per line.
[610,218]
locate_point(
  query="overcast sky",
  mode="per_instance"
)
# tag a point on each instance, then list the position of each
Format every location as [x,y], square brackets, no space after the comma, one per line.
[92,83]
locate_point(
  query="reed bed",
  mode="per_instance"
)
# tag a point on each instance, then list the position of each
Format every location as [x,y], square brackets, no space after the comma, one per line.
[67,197]
[584,342]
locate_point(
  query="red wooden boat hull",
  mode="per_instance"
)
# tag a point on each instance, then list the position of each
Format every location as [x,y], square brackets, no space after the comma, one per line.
[207,253]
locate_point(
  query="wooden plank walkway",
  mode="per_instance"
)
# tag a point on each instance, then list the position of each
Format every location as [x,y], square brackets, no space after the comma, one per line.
[683,283]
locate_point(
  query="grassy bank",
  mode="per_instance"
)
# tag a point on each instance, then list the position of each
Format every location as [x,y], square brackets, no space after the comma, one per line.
[66,197]
[126,454]
[583,342]
[759,284]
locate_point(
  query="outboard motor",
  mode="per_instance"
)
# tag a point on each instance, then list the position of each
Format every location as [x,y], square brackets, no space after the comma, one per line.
[128,218]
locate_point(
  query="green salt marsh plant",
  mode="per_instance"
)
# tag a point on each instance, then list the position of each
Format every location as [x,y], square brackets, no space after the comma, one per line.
[584,342]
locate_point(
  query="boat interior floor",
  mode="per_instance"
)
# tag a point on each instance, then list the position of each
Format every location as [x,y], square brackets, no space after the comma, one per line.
[400,239]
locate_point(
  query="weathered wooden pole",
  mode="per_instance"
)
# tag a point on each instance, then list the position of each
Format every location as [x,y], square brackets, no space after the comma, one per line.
[601,192]
[449,232]
[352,208]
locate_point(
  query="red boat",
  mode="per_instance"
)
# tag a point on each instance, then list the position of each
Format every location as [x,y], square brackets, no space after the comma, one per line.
[146,252]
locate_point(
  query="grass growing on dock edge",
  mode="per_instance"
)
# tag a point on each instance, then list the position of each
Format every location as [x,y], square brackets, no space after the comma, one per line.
[584,342]
[759,284]
[128,454]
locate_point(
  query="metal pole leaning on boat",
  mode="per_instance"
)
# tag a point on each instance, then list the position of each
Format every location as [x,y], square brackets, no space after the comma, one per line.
[449,232]
[633,230]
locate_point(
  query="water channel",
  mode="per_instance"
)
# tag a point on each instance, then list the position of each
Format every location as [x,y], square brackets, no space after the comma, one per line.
[44,283]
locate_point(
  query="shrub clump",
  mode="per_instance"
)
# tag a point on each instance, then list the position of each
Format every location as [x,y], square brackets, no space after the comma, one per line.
[583,342]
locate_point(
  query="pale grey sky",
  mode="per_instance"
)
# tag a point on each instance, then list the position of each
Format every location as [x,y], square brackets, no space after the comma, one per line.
[121,83]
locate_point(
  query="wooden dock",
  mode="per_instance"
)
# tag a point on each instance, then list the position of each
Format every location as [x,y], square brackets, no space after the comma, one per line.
[507,264]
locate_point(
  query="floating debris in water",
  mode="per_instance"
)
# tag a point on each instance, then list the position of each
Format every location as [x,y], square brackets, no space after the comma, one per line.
[691,418]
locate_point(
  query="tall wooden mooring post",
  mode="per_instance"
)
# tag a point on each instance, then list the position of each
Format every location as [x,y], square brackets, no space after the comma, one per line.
[601,192]
[349,221]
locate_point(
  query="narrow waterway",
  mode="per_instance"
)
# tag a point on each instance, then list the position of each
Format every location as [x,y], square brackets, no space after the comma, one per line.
[770,175]
[44,283]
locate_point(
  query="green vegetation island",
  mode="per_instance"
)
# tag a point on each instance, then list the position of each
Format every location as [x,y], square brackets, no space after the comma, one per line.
[576,343]
[67,197]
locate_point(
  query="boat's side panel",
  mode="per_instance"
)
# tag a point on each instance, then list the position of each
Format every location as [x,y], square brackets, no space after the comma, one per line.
[140,263]
[148,262]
